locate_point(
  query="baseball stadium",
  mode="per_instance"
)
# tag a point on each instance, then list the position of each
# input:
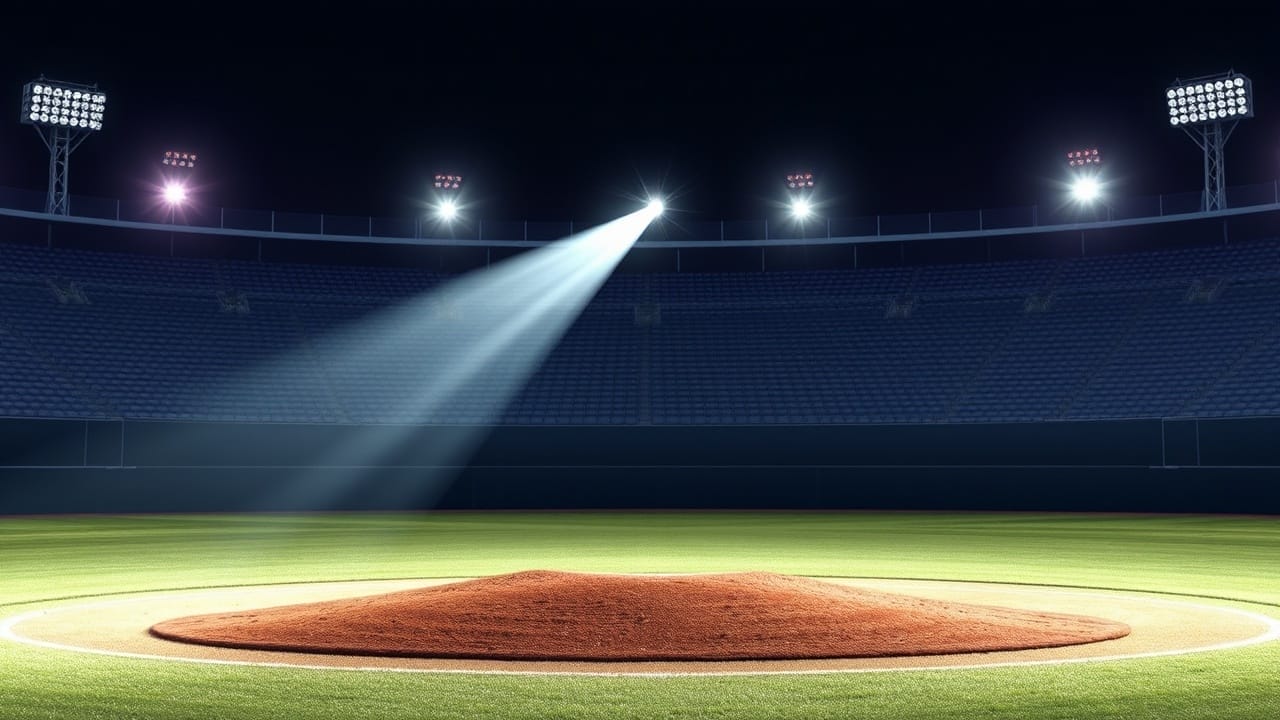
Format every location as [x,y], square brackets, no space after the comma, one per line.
[1009,462]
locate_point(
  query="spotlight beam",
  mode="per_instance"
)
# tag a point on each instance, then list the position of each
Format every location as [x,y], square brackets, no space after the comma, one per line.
[456,355]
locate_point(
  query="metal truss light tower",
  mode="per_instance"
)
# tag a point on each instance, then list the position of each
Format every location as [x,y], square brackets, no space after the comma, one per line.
[1208,109]
[63,114]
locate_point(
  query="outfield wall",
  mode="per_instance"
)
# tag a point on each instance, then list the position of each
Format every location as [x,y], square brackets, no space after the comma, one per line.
[1175,465]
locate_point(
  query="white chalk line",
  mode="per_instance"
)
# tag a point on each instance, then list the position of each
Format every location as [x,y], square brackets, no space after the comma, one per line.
[1270,624]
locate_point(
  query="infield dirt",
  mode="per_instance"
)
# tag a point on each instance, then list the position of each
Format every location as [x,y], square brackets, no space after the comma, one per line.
[550,615]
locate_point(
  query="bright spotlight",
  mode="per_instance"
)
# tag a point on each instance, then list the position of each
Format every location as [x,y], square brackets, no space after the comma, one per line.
[800,208]
[175,193]
[448,210]
[656,207]
[1086,189]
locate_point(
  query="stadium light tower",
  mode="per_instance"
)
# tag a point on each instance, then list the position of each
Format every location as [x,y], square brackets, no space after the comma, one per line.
[1084,166]
[447,187]
[1207,109]
[63,114]
[800,185]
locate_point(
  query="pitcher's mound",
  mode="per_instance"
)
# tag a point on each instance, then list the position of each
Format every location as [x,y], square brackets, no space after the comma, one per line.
[546,615]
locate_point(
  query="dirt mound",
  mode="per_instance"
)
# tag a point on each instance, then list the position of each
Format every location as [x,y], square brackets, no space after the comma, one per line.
[545,615]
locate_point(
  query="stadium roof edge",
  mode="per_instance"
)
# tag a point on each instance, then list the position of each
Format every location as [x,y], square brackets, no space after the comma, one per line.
[644,243]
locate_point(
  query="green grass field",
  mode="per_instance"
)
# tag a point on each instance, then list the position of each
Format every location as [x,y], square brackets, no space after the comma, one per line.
[54,561]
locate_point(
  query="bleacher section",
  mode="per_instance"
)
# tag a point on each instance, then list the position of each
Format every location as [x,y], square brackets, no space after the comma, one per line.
[1178,333]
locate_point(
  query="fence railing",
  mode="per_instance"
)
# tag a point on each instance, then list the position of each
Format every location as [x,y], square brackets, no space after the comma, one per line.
[928,223]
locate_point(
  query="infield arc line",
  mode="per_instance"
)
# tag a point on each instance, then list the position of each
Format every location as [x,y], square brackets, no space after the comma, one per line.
[1270,625]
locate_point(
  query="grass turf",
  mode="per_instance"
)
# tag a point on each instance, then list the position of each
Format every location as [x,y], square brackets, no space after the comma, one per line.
[47,561]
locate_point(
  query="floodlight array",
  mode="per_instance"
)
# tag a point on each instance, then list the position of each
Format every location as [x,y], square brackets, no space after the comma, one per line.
[179,159]
[1212,100]
[799,181]
[448,182]
[1081,158]
[56,105]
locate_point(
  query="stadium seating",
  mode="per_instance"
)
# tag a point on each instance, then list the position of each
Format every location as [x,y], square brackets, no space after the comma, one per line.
[1175,333]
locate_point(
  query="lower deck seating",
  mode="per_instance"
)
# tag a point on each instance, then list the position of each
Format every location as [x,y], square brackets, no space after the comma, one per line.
[1100,337]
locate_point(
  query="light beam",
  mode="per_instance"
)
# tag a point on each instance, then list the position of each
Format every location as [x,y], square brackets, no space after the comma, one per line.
[451,359]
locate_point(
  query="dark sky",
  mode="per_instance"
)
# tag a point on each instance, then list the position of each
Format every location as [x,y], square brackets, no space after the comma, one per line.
[560,111]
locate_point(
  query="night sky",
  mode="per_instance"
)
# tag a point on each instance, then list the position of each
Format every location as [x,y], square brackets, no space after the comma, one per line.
[560,111]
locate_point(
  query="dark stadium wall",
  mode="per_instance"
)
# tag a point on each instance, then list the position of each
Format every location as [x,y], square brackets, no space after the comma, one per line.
[1222,465]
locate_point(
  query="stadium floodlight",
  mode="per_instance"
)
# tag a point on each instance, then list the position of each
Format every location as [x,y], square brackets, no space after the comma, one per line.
[175,193]
[447,210]
[63,114]
[1086,189]
[800,181]
[1084,158]
[1207,110]
[448,189]
[800,208]
[178,159]
[800,186]
[447,182]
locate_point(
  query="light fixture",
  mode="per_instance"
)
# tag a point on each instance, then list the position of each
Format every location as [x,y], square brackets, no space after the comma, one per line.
[175,193]
[1086,189]
[447,210]
[1082,158]
[179,159]
[1227,97]
[800,208]
[1207,110]
[63,114]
